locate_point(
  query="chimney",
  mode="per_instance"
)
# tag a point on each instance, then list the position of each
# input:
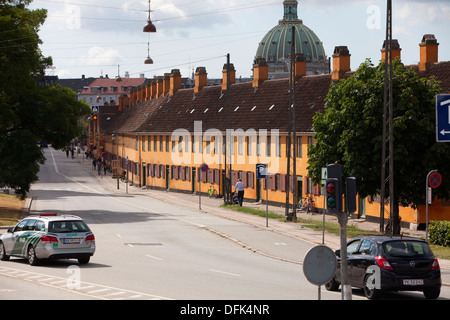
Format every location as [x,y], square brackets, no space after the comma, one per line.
[300,66]
[124,101]
[153,89]
[200,79]
[175,81]
[428,51]
[260,71]
[396,50]
[141,90]
[148,95]
[159,86]
[224,76]
[166,83]
[341,62]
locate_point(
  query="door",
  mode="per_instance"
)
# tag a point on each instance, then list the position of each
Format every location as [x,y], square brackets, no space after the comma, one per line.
[167,176]
[144,175]
[194,179]
[258,189]
[20,237]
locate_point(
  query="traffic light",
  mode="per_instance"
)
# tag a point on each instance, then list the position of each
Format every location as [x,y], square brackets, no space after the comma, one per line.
[351,194]
[333,190]
[95,117]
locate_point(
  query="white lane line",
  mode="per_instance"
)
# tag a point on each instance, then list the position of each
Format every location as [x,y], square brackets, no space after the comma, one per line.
[225,272]
[153,257]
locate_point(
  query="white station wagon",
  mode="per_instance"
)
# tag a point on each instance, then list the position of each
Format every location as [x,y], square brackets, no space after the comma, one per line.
[48,236]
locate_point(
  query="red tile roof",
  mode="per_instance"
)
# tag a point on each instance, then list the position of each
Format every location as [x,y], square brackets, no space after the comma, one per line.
[263,108]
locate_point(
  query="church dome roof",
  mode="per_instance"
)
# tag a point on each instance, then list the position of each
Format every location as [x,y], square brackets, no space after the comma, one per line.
[275,47]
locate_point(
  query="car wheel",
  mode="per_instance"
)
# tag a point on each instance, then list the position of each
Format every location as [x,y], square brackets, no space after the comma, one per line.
[3,255]
[369,288]
[332,285]
[84,260]
[432,293]
[31,256]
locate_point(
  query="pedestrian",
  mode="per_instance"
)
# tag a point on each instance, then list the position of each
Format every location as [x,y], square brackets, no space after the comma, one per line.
[94,164]
[240,191]
[99,167]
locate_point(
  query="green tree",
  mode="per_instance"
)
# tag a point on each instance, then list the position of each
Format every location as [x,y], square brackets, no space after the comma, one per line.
[28,112]
[349,132]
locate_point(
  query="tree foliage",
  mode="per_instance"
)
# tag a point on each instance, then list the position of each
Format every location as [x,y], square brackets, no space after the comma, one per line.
[28,112]
[349,132]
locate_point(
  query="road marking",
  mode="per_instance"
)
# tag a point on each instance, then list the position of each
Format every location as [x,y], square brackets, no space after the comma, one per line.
[225,272]
[61,283]
[153,257]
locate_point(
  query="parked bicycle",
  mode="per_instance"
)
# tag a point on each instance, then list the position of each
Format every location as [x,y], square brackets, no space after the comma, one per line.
[301,205]
[123,176]
[311,205]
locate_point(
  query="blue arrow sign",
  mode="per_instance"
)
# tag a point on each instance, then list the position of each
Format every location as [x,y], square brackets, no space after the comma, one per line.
[443,118]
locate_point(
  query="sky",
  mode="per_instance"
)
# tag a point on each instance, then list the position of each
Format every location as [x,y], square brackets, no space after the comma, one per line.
[101,37]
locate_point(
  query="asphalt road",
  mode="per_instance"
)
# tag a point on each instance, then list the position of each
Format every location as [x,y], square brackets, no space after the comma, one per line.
[153,249]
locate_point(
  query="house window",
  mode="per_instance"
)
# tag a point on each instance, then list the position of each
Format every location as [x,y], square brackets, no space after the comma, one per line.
[240,145]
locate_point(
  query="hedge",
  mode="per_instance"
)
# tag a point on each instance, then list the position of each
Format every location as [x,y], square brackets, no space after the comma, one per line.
[439,233]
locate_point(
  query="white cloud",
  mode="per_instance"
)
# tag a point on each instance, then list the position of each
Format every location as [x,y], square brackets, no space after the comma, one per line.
[101,56]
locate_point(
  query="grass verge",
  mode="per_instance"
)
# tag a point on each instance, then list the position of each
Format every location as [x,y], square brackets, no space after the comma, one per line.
[330,227]
[10,209]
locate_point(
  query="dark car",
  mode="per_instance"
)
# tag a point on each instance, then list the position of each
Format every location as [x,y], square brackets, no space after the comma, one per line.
[381,263]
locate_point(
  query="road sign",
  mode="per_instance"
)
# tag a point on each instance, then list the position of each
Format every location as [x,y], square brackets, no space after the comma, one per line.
[443,117]
[94,109]
[204,167]
[324,176]
[319,265]
[261,170]
[435,180]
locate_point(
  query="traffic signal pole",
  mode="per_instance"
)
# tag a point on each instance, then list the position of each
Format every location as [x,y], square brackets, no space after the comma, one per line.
[334,206]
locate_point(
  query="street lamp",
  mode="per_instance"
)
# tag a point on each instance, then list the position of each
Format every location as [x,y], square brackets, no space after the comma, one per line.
[150,27]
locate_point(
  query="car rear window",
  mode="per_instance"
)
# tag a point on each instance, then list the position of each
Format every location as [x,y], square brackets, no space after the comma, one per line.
[67,226]
[407,248]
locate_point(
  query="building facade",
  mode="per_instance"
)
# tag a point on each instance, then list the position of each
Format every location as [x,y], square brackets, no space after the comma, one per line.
[163,135]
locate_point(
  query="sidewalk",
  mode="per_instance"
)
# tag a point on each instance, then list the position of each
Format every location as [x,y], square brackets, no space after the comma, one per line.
[296,230]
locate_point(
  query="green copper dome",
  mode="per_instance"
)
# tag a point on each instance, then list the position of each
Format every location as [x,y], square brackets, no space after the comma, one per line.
[275,47]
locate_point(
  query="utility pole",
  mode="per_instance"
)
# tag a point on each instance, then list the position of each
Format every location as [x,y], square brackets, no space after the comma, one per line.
[290,141]
[227,180]
[388,130]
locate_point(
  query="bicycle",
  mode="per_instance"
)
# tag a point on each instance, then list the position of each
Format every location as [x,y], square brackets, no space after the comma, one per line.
[123,176]
[310,207]
[301,205]
[212,192]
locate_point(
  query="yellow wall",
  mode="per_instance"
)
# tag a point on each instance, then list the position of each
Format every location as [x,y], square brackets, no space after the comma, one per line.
[183,163]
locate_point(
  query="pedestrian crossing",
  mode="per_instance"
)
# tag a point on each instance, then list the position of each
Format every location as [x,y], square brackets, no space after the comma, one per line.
[89,290]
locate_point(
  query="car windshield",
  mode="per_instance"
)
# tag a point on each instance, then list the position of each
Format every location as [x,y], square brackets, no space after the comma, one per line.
[407,248]
[67,226]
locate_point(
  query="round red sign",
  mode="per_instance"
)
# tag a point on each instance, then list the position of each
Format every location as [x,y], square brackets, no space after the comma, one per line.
[435,180]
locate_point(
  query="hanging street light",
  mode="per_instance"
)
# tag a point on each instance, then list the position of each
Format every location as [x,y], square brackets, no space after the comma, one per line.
[148,60]
[150,27]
